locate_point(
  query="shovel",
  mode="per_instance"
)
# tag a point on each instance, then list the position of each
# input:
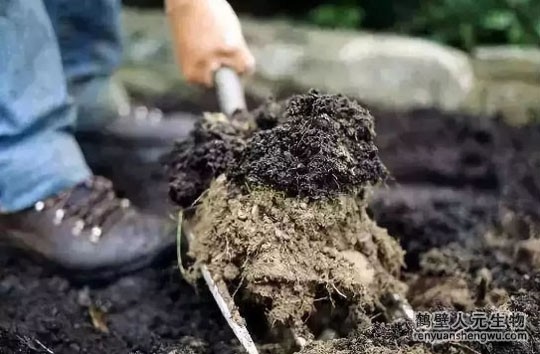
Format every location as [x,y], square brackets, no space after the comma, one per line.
[230,95]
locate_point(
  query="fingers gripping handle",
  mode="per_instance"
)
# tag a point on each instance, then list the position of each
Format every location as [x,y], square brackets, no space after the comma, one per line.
[230,91]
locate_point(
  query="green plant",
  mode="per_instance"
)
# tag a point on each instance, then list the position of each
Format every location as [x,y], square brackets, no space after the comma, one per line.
[461,23]
[343,14]
[466,23]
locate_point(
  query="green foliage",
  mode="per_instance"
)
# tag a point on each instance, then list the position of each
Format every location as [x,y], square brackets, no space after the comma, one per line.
[344,14]
[462,23]
[467,23]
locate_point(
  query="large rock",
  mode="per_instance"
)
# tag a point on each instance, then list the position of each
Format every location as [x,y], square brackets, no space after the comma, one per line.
[508,63]
[385,70]
[508,83]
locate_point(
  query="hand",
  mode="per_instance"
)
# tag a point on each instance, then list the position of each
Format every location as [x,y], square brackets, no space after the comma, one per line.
[206,36]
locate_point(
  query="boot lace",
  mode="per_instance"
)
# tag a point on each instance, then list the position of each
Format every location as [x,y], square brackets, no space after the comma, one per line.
[93,204]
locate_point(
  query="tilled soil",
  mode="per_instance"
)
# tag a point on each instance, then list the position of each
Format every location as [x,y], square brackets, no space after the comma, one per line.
[464,203]
[152,311]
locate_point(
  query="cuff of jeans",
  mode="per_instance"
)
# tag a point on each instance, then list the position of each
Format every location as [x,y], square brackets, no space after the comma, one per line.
[36,168]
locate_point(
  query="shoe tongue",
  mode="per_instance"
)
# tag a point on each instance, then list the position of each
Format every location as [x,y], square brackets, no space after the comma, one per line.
[92,190]
[80,195]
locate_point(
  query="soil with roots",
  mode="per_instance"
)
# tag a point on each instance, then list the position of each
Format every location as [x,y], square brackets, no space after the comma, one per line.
[463,200]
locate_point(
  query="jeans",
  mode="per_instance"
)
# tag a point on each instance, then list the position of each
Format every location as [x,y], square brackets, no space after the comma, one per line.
[48,50]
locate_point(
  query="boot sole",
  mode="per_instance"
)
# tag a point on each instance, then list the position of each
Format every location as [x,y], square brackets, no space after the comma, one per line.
[156,259]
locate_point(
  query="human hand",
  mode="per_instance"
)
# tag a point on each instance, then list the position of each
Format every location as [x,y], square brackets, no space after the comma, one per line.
[206,36]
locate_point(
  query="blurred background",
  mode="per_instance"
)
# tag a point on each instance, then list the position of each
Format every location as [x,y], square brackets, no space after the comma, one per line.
[477,56]
[461,23]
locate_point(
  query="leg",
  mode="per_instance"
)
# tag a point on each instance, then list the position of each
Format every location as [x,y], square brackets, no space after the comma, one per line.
[88,33]
[38,154]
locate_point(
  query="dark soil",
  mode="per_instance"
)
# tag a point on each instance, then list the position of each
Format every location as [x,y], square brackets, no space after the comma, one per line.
[209,151]
[152,311]
[464,205]
[380,338]
[212,149]
[323,146]
[465,198]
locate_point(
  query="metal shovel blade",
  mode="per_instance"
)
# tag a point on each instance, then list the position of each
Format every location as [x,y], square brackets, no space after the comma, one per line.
[231,98]
[225,303]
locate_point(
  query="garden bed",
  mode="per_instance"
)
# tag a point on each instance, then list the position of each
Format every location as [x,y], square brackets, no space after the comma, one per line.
[463,201]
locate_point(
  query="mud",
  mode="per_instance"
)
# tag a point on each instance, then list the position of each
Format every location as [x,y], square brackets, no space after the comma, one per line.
[467,186]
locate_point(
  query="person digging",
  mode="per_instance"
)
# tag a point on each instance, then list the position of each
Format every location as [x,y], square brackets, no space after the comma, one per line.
[56,60]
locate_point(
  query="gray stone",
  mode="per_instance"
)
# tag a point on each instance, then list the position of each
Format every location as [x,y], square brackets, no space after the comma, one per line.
[386,70]
[508,83]
[517,101]
[508,63]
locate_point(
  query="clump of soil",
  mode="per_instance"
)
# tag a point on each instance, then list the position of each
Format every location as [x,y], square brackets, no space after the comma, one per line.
[210,150]
[287,254]
[286,224]
[310,145]
[323,148]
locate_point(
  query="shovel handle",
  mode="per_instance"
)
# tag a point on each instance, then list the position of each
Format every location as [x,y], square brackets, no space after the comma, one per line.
[229,89]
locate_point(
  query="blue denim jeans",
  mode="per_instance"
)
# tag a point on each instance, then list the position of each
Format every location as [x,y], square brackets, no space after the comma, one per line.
[47,48]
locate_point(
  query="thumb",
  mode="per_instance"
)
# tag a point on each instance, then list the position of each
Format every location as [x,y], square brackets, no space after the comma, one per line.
[240,59]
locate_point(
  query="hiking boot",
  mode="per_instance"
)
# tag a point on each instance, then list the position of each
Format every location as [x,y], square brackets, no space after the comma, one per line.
[89,230]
